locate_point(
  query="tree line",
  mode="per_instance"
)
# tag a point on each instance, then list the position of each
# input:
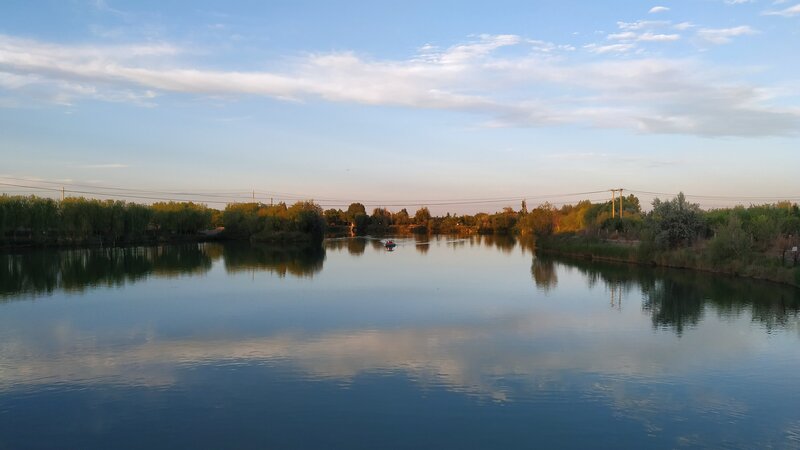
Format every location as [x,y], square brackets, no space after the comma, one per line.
[673,232]
[542,220]
[35,220]
[759,241]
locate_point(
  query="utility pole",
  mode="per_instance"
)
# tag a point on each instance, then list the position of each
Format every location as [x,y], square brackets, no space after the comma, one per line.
[62,193]
[254,194]
[613,202]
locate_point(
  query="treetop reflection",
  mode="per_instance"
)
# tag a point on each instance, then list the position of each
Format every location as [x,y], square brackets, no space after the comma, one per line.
[678,299]
[42,272]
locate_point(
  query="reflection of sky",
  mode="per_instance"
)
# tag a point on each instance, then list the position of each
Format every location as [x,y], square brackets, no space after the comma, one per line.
[467,319]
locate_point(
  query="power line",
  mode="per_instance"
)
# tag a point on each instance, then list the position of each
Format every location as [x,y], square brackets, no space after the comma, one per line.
[102,194]
[221,194]
[220,197]
[720,197]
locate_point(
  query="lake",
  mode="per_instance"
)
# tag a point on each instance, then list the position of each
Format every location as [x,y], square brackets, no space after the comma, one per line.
[441,343]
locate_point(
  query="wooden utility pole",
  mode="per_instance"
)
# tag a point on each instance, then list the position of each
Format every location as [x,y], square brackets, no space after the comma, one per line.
[254,194]
[613,202]
[62,193]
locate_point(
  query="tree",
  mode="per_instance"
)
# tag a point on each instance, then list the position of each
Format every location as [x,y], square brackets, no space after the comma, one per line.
[401,217]
[353,210]
[675,223]
[335,217]
[381,219]
[422,216]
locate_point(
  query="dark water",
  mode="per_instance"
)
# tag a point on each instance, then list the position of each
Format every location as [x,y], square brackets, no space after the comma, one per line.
[448,344]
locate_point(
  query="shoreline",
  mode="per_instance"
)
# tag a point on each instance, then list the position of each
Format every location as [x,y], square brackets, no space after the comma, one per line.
[789,276]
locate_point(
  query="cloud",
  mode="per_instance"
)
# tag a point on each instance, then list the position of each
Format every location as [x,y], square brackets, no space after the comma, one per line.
[644,37]
[788,12]
[658,9]
[642,24]
[613,48]
[611,159]
[724,35]
[642,31]
[507,79]
[650,37]
[103,166]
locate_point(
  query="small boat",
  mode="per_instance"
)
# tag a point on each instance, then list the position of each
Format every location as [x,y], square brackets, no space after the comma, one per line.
[390,245]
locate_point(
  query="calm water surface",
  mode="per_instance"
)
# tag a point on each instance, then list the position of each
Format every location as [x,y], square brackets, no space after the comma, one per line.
[451,343]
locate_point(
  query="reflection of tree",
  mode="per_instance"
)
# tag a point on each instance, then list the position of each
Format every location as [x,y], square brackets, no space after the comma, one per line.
[300,261]
[356,246]
[544,273]
[174,260]
[503,242]
[678,299]
[337,244]
[422,243]
[44,271]
[672,304]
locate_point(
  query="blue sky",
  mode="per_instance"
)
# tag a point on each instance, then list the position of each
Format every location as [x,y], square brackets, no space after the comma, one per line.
[413,103]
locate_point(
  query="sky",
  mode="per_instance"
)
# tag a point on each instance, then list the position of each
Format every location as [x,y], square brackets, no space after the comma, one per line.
[459,106]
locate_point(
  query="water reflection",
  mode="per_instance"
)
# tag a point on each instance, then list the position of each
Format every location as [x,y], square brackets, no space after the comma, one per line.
[502,242]
[544,274]
[299,261]
[482,330]
[422,243]
[43,272]
[678,300]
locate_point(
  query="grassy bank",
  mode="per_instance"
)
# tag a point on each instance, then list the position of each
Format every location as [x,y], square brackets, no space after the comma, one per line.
[697,257]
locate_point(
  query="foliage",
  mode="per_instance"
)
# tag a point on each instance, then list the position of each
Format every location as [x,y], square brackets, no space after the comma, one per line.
[675,223]
[26,220]
[257,221]
[422,216]
[729,241]
[42,220]
[181,217]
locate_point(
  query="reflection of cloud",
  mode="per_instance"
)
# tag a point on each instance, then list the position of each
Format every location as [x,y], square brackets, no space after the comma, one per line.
[472,359]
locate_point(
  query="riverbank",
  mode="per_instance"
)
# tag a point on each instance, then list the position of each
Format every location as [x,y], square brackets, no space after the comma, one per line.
[754,265]
[97,241]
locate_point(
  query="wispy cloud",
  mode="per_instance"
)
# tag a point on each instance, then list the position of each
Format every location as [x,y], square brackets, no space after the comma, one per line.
[102,166]
[652,37]
[788,12]
[644,37]
[528,83]
[642,24]
[724,35]
[615,159]
[658,9]
[613,48]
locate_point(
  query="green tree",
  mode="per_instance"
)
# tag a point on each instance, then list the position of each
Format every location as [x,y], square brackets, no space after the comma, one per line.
[674,223]
[422,216]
